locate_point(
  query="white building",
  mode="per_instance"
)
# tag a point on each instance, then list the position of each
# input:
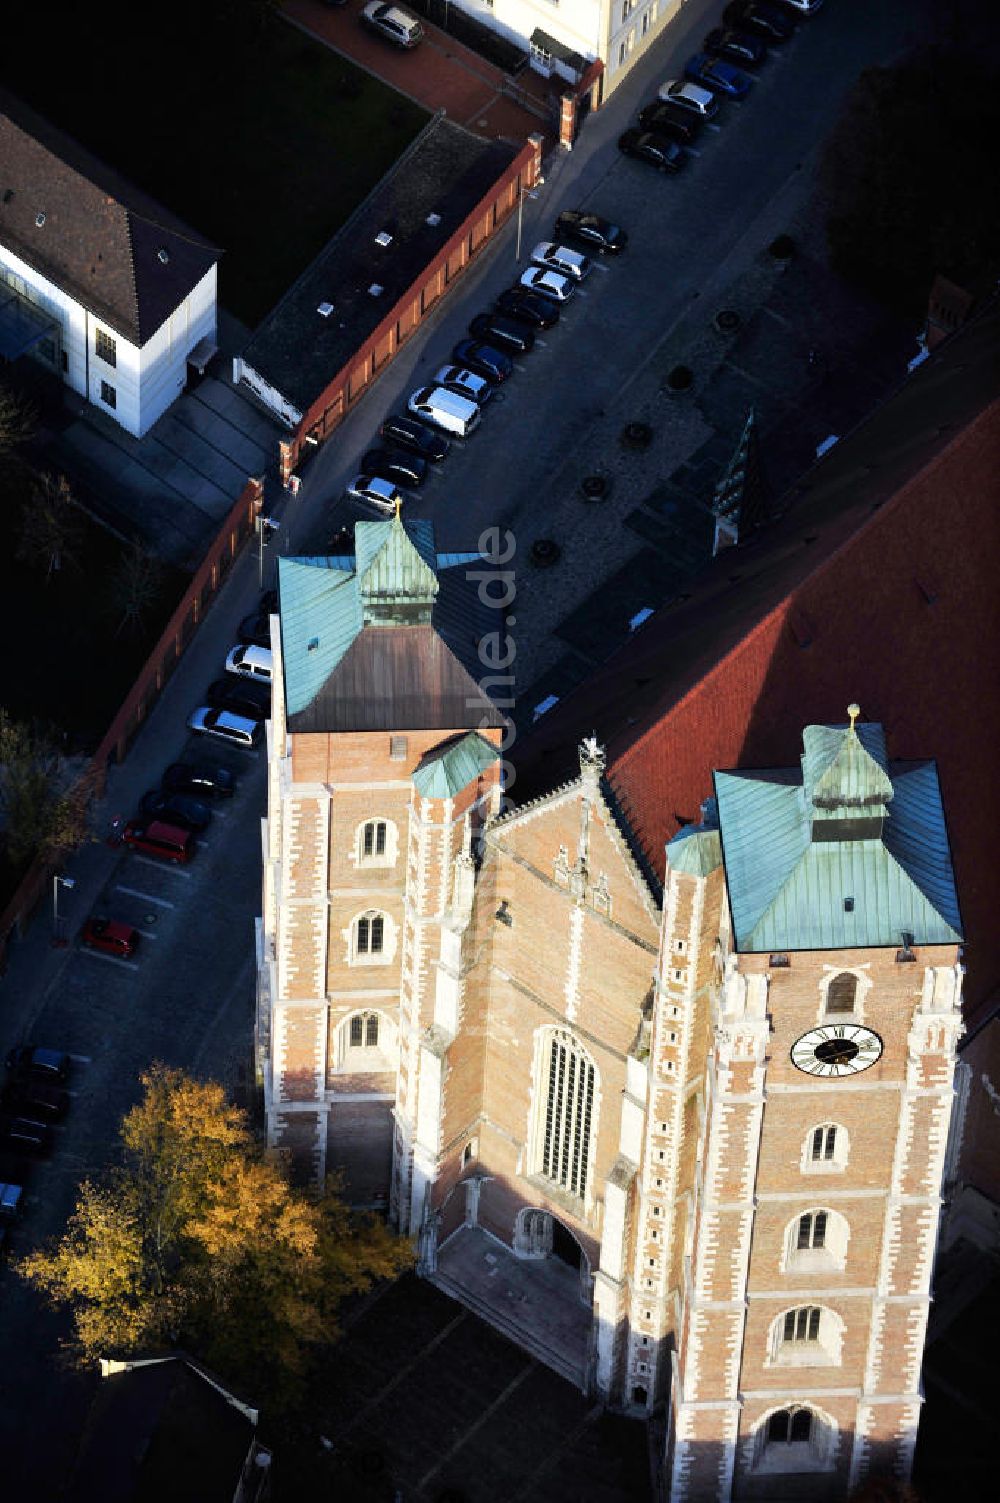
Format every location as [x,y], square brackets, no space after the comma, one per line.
[564,36]
[97,281]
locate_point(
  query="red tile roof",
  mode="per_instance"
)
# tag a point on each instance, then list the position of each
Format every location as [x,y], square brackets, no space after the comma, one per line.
[897,610]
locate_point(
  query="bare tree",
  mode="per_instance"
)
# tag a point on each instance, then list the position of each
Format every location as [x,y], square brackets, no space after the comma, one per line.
[39,818]
[18,419]
[135,586]
[51,525]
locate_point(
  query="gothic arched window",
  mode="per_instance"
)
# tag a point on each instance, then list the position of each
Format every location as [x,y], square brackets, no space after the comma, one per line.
[369,936]
[565,1096]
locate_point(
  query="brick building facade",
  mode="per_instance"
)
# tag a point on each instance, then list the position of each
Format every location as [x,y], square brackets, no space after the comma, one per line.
[724,1103]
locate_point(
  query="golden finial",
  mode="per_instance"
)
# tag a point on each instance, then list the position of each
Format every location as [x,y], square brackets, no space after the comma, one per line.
[399,506]
[853,711]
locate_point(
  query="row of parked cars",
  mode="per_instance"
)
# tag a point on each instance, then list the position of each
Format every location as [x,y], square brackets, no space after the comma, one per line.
[723,69]
[450,405]
[32,1099]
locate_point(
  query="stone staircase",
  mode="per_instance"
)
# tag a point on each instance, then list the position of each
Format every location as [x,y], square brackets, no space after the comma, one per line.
[515,1331]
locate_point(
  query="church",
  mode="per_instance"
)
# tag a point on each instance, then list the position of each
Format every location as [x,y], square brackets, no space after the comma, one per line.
[681,1133]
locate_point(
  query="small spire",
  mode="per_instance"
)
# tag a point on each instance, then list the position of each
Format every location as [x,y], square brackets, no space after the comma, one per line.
[399,507]
[853,711]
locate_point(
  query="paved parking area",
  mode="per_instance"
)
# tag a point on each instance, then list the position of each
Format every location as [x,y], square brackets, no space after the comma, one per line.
[440,74]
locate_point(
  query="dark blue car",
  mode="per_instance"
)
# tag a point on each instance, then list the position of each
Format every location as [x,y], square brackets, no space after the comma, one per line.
[483,359]
[721,77]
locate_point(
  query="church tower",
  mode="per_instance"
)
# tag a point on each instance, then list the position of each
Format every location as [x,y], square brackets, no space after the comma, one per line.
[807,1259]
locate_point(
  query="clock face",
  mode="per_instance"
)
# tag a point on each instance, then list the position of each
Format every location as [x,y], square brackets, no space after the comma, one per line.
[836,1049]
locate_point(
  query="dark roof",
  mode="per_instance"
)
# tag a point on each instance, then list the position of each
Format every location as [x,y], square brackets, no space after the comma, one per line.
[160,1433]
[398,678]
[880,585]
[101,238]
[446,171]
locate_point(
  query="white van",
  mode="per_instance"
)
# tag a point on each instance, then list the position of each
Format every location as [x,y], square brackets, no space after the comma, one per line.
[569,263]
[445,409]
[250,662]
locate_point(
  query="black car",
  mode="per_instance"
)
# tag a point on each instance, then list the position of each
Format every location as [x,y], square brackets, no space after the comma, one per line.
[176,809]
[649,146]
[240,696]
[771,22]
[590,231]
[528,307]
[25,1135]
[668,121]
[40,1063]
[199,778]
[256,627]
[407,433]
[483,360]
[509,332]
[33,1098]
[395,465]
[736,47]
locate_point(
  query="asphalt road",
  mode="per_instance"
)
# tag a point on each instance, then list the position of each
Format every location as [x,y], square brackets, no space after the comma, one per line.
[188,998]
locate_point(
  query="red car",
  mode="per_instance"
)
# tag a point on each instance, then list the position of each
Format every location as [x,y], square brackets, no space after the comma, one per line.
[110,936]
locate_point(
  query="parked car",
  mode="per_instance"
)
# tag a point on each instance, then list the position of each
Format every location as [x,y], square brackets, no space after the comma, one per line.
[154,837]
[39,1062]
[719,76]
[671,121]
[483,359]
[25,1135]
[465,382]
[395,465]
[560,258]
[550,284]
[393,23]
[177,809]
[255,628]
[761,20]
[500,329]
[528,308]
[649,146]
[236,729]
[373,490]
[700,102]
[406,433]
[446,409]
[200,778]
[110,936]
[736,47]
[249,661]
[591,230]
[240,696]
[26,1097]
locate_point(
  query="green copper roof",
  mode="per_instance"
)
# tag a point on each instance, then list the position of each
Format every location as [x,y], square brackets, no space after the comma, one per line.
[849,854]
[396,584]
[320,613]
[696,849]
[452,767]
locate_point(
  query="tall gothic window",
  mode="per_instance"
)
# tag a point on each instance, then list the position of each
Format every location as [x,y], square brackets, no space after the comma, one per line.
[841,992]
[370,932]
[373,839]
[812,1230]
[824,1144]
[802,1324]
[568,1106]
[364,1030]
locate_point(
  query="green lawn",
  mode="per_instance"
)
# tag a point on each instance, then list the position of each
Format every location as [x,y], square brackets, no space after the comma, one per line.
[263,140]
[75,660]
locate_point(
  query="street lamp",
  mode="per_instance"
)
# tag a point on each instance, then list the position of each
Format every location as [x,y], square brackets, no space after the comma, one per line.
[521,195]
[265,526]
[69,883]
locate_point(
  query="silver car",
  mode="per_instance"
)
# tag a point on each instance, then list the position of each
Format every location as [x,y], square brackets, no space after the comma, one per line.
[235,729]
[558,289]
[374,491]
[393,23]
[689,96]
[465,382]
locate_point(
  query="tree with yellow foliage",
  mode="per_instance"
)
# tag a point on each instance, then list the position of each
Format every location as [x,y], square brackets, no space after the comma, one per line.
[198,1239]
